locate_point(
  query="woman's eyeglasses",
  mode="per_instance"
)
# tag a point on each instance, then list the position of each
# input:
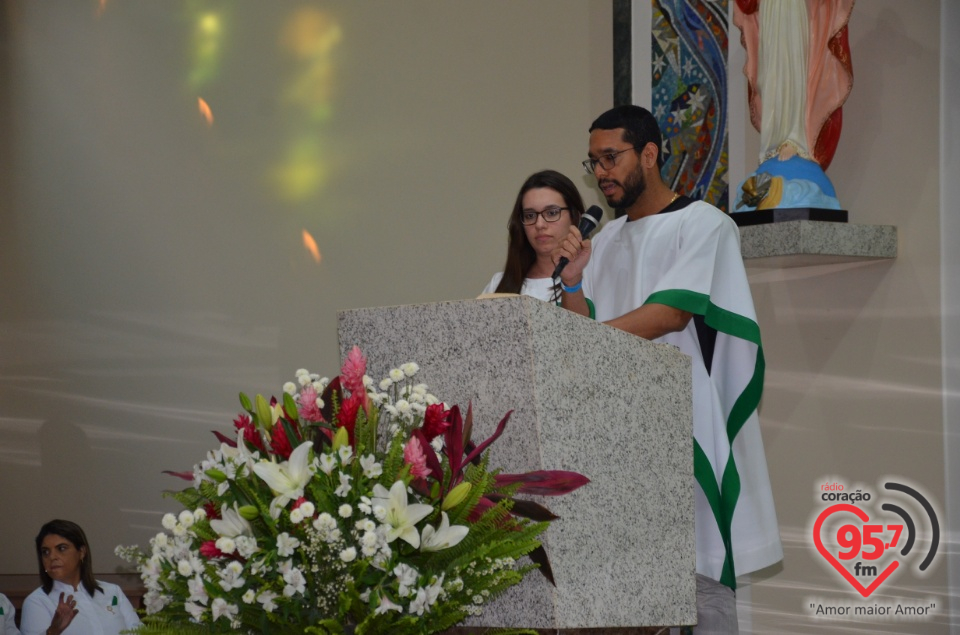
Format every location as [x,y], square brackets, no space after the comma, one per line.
[550,214]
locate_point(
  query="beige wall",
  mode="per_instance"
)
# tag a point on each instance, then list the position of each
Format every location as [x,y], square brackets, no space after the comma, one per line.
[151,266]
[854,368]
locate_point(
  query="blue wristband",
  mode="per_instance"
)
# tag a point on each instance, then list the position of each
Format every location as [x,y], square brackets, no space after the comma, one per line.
[572,289]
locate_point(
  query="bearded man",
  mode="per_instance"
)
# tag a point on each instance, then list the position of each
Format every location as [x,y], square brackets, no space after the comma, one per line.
[670,270]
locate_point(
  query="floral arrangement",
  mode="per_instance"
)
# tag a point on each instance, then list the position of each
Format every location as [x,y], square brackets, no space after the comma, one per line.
[344,507]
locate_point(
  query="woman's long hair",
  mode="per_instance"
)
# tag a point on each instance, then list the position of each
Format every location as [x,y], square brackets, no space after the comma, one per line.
[520,254]
[74,533]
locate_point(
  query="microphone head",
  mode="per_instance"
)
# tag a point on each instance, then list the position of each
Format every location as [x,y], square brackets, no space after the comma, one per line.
[590,219]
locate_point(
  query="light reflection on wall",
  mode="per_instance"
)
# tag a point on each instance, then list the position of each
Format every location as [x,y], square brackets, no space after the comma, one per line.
[207,51]
[309,37]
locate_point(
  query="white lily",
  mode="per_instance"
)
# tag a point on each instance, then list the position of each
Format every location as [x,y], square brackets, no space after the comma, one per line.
[400,517]
[443,537]
[231,524]
[287,479]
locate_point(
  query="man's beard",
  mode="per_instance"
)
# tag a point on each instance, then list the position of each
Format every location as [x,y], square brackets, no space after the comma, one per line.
[633,188]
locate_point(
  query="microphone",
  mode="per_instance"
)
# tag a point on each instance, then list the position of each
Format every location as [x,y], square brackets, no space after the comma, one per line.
[588,222]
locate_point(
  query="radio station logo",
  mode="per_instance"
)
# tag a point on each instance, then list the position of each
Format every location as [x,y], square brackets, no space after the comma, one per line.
[870,537]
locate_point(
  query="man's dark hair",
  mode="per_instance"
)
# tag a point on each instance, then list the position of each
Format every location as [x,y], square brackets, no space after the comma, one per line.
[639,127]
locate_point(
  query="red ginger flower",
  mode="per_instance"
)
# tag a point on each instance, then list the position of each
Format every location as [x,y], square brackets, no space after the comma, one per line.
[436,420]
[250,433]
[209,550]
[279,442]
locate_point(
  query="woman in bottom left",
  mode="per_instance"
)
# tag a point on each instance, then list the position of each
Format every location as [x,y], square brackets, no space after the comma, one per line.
[69,600]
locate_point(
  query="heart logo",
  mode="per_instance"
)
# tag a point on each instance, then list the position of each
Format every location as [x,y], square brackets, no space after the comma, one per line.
[876,543]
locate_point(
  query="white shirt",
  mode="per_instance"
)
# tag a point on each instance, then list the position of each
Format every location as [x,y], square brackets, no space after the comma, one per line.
[8,615]
[539,288]
[106,613]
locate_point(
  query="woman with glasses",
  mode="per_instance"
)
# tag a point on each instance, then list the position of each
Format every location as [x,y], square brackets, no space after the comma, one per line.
[547,205]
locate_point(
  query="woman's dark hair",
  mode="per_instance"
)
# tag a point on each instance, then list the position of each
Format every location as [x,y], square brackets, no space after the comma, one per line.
[520,254]
[74,533]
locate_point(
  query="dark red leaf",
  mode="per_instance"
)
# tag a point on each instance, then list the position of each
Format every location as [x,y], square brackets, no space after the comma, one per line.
[187,476]
[544,482]
[222,438]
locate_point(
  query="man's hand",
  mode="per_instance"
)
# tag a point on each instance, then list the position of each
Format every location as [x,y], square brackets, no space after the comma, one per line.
[577,251]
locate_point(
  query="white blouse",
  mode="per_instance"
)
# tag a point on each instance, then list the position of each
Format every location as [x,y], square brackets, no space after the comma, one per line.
[107,612]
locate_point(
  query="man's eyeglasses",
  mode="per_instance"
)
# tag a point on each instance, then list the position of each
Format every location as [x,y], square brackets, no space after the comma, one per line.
[550,214]
[605,161]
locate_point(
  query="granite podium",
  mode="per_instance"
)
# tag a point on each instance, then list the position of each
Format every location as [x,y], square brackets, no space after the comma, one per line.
[585,397]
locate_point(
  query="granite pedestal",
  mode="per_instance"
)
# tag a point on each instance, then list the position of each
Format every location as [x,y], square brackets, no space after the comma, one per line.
[585,397]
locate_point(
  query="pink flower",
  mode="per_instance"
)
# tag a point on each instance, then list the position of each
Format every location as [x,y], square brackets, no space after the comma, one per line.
[353,370]
[436,420]
[307,408]
[209,550]
[414,457]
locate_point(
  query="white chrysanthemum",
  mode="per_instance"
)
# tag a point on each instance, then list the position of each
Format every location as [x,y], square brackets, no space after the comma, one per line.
[169,521]
[348,555]
[186,519]
[304,380]
[385,383]
[226,544]
[199,514]
[296,516]
[160,541]
[345,511]
[184,568]
[366,525]
[402,406]
[396,374]
[307,509]
[367,381]
[246,546]
[410,369]
[290,388]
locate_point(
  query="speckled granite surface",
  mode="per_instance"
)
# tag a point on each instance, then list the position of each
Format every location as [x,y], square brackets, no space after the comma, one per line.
[585,397]
[806,242]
